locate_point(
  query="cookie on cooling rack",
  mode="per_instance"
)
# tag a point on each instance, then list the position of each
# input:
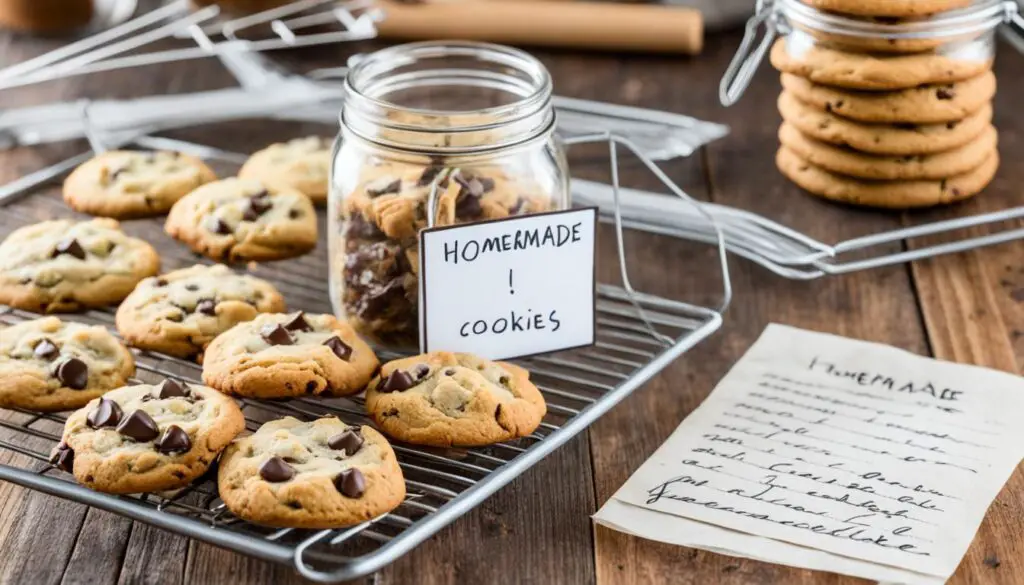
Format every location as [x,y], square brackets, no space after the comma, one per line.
[320,474]
[147,438]
[62,266]
[237,220]
[49,365]
[279,356]
[302,164]
[443,399]
[179,313]
[123,183]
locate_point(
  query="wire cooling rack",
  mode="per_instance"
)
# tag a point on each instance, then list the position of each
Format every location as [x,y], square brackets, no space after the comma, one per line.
[637,336]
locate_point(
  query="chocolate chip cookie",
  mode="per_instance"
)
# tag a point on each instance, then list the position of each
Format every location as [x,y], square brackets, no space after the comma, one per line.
[125,184]
[383,212]
[179,313]
[884,139]
[889,8]
[851,163]
[62,266]
[236,220]
[147,438]
[278,356]
[929,104]
[320,474]
[302,164]
[885,194]
[444,399]
[829,66]
[49,365]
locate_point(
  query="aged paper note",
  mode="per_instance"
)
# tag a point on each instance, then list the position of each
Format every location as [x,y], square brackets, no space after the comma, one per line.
[837,446]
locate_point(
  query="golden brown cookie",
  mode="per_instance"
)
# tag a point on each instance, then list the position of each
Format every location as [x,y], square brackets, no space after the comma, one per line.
[280,356]
[444,399]
[125,184]
[320,474]
[236,220]
[302,164]
[49,365]
[61,266]
[147,438]
[851,163]
[889,8]
[884,139]
[886,194]
[929,104]
[827,66]
[179,313]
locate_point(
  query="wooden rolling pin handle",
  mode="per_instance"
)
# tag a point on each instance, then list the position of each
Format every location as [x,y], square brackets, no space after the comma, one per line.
[580,25]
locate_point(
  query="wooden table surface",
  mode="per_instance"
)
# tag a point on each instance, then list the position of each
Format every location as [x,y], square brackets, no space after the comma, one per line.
[965,308]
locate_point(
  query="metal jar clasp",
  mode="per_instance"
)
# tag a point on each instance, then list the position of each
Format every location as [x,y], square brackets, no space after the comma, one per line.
[748,58]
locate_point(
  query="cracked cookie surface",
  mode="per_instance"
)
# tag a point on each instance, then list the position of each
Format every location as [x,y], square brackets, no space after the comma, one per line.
[179,313]
[147,438]
[235,220]
[49,365]
[279,355]
[302,164]
[320,474]
[124,184]
[443,399]
[62,266]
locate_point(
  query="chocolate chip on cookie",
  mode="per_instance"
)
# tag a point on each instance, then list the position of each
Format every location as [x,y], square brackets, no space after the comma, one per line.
[174,440]
[106,414]
[139,427]
[339,347]
[276,470]
[72,373]
[63,458]
[348,441]
[275,334]
[298,323]
[172,389]
[351,483]
[69,246]
[46,350]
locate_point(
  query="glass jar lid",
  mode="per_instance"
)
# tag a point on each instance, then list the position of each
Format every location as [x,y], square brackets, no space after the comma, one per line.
[781,17]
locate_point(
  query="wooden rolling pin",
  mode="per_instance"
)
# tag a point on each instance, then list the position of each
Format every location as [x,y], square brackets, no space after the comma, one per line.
[45,16]
[578,25]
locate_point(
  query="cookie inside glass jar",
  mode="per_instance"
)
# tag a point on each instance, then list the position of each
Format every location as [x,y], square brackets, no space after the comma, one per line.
[464,135]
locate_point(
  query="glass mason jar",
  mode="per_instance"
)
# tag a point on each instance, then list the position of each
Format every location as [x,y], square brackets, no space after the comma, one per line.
[892,53]
[432,134]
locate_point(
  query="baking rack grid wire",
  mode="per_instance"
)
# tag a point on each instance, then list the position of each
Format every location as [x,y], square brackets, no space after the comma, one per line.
[637,336]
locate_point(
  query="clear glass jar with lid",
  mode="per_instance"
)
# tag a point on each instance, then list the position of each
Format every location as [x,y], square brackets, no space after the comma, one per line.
[432,134]
[887,53]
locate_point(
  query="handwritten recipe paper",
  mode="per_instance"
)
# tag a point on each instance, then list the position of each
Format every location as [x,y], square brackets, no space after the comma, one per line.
[833,454]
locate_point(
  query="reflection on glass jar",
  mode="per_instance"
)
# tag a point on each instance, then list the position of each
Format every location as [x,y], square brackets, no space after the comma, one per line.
[432,134]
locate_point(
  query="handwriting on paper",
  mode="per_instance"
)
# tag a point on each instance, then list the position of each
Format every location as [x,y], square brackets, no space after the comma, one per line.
[848,447]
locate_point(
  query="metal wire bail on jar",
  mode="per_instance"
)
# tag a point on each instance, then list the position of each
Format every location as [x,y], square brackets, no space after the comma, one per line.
[965,31]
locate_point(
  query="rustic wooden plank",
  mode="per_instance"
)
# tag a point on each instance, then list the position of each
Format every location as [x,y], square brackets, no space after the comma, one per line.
[876,306]
[96,559]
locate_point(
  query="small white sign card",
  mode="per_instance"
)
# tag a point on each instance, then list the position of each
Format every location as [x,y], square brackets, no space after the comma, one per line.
[829,453]
[509,287]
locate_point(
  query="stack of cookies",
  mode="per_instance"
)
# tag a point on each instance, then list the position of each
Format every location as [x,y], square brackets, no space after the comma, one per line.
[886,122]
